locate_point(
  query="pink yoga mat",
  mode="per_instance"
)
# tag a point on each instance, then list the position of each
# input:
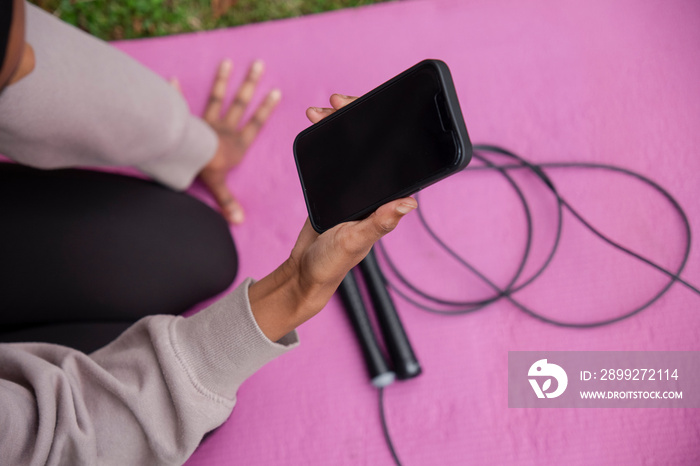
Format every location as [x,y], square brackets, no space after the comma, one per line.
[596,81]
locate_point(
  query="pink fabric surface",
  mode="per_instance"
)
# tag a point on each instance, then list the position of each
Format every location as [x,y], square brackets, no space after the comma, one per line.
[598,81]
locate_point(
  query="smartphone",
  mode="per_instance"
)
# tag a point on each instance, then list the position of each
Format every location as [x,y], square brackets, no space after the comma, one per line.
[393,141]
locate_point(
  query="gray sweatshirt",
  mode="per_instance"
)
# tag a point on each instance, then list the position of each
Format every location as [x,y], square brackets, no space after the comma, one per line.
[89,104]
[148,397]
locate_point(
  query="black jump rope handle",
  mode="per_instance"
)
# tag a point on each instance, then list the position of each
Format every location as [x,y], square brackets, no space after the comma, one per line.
[378,369]
[400,351]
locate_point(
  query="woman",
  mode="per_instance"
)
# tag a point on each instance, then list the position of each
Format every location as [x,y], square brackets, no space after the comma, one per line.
[150,395]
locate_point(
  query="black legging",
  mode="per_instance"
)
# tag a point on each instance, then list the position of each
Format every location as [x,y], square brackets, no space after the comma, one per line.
[84,254]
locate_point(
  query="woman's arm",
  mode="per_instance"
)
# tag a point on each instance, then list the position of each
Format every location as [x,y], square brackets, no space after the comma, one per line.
[146,398]
[85,103]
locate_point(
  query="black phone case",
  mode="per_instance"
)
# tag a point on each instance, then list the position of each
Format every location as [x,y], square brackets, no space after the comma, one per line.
[454,114]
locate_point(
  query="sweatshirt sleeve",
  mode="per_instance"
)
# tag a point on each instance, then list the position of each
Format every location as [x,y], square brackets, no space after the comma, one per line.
[88,104]
[146,398]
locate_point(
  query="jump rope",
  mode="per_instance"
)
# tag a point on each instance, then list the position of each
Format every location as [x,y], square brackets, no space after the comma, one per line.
[405,364]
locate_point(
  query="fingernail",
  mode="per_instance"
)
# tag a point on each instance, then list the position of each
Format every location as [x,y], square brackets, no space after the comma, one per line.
[404,208]
[226,64]
[344,96]
[315,109]
[235,215]
[275,94]
[257,66]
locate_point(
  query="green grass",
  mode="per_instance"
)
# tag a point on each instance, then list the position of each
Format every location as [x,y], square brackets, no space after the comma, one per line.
[129,19]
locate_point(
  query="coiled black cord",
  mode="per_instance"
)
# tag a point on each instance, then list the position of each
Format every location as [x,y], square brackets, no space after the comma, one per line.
[452,307]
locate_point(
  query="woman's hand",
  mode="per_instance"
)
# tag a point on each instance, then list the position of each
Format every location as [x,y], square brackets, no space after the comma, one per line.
[302,286]
[304,283]
[234,137]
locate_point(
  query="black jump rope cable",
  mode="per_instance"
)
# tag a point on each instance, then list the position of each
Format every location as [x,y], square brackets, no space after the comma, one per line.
[450,307]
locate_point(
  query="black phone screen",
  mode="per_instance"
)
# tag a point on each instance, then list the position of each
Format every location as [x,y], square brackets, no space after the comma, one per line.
[376,149]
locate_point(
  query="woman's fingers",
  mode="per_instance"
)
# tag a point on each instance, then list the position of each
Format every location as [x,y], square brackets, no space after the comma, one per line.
[360,236]
[338,101]
[252,127]
[231,209]
[244,95]
[175,83]
[212,111]
[316,114]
